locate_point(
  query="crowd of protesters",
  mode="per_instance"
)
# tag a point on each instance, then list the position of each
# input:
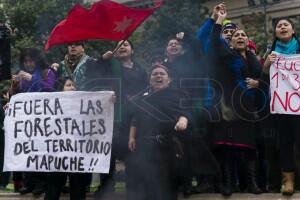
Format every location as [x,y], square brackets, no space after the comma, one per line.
[196,123]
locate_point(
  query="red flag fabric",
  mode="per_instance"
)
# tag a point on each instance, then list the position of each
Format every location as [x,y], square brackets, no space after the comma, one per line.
[104,20]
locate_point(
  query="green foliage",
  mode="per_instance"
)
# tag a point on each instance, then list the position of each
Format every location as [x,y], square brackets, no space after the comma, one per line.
[297,26]
[174,16]
[254,27]
[296,21]
[32,20]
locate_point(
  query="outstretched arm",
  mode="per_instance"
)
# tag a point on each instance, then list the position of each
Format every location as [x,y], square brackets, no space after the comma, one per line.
[203,34]
[219,45]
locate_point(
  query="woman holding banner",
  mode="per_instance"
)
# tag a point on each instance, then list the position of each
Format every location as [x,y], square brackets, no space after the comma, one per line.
[34,76]
[157,124]
[118,71]
[57,180]
[286,42]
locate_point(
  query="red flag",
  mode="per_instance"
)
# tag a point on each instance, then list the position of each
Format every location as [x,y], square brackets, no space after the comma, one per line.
[104,20]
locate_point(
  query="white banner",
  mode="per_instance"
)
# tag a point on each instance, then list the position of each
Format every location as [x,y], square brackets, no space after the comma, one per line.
[59,131]
[285,85]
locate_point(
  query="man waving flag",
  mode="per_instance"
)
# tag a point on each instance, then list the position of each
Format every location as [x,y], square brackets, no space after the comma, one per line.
[104,20]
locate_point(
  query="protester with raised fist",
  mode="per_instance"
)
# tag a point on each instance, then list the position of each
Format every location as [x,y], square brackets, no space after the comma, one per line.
[56,180]
[117,70]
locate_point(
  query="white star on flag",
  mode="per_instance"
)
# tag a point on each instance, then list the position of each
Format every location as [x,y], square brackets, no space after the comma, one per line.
[121,26]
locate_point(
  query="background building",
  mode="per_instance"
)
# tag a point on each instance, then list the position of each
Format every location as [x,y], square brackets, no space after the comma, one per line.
[237,8]
[271,8]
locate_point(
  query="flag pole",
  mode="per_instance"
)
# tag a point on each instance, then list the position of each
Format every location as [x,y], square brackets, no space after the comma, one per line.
[118,47]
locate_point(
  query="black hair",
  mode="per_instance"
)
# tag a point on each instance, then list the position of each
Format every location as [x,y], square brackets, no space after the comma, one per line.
[283,18]
[238,29]
[37,56]
[130,43]
[156,55]
[159,66]
[60,83]
[229,25]
[274,27]
[174,38]
[79,43]
[181,42]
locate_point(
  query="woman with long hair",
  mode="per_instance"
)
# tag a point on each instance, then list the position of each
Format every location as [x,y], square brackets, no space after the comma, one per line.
[285,42]
[121,73]
[35,74]
[235,133]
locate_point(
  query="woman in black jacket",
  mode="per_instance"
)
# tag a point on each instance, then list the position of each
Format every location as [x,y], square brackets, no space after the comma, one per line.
[157,123]
[116,70]
[183,61]
[235,133]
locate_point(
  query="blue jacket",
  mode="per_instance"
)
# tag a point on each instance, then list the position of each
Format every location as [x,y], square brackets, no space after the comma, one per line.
[226,72]
[204,36]
[234,69]
[214,89]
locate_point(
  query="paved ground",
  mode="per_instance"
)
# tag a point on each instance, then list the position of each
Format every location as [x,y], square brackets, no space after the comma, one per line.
[120,196]
[272,196]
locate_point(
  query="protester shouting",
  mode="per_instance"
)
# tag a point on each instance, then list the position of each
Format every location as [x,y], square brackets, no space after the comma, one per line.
[183,61]
[157,121]
[235,132]
[285,42]
[117,70]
